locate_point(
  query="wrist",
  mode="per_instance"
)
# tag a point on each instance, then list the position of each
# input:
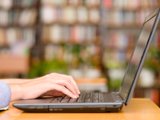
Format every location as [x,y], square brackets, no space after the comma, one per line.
[16,81]
[16,92]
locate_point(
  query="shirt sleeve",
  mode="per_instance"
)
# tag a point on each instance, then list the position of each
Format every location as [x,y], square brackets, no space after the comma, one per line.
[5,95]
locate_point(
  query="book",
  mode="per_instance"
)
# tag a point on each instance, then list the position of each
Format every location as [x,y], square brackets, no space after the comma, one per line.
[94,15]
[48,14]
[69,14]
[2,37]
[6,4]
[82,14]
[27,17]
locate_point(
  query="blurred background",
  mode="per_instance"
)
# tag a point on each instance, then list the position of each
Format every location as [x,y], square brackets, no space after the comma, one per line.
[91,40]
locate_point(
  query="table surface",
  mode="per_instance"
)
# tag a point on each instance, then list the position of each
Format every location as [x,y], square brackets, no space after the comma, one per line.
[139,109]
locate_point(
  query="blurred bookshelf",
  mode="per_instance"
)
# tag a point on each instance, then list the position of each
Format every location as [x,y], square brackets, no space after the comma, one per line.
[84,38]
[17,35]
[70,38]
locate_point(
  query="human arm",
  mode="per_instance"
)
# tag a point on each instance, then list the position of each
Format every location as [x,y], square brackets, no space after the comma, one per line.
[52,83]
[15,80]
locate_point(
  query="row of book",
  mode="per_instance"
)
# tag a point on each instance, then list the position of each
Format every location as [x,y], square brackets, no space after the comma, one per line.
[70,54]
[80,64]
[119,47]
[18,17]
[7,4]
[69,14]
[89,3]
[11,36]
[62,33]
[128,5]
[119,40]
[120,18]
[123,41]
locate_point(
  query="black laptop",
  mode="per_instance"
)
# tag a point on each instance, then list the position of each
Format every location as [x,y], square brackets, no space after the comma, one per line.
[102,101]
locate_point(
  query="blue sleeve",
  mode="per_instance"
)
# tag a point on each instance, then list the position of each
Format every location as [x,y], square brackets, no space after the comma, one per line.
[5,95]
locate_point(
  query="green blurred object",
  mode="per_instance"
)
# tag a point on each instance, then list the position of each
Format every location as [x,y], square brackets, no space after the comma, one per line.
[114,85]
[115,64]
[153,60]
[45,67]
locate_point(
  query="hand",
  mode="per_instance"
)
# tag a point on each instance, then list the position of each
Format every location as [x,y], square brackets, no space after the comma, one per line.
[52,84]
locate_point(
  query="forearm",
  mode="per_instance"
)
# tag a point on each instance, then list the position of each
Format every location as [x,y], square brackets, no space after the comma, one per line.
[15,86]
[16,91]
[33,88]
[15,81]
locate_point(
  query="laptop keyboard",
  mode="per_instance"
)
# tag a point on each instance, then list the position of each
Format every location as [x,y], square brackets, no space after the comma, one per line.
[86,97]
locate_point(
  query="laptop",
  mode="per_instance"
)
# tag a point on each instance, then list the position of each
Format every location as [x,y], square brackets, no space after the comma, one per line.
[102,101]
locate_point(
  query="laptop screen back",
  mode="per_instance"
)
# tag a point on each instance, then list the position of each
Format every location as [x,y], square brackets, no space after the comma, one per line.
[137,57]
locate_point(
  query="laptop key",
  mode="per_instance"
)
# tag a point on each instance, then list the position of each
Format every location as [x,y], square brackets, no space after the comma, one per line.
[81,97]
[65,99]
[57,100]
[101,97]
[72,100]
[88,97]
[95,96]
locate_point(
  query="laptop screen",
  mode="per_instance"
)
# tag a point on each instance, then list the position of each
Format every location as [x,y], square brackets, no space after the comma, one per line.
[136,58]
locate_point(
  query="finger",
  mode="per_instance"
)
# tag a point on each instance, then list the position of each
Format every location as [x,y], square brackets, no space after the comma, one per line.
[68,85]
[74,83]
[63,90]
[70,80]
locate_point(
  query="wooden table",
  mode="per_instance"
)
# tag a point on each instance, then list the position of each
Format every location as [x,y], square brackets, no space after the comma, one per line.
[137,109]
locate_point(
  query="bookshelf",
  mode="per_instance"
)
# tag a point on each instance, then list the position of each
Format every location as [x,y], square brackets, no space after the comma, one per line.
[17,35]
[70,38]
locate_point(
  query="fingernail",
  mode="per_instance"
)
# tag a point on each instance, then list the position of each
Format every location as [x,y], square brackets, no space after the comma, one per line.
[75,97]
[78,91]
